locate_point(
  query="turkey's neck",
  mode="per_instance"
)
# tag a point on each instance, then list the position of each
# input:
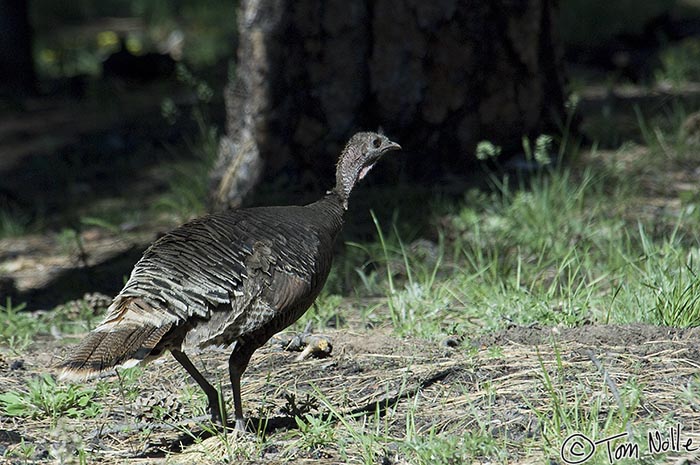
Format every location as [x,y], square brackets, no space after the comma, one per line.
[346,174]
[341,192]
[330,208]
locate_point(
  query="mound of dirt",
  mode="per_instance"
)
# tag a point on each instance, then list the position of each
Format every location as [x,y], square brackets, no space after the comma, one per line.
[639,338]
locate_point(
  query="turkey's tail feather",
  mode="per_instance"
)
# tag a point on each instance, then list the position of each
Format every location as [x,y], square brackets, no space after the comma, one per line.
[122,341]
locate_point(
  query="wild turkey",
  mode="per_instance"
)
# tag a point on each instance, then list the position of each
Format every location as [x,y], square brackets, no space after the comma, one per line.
[236,277]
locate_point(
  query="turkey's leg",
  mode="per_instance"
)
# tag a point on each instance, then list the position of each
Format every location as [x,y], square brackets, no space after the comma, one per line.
[217,409]
[237,363]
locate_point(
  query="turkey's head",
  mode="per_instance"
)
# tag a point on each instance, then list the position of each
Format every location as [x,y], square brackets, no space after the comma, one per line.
[358,157]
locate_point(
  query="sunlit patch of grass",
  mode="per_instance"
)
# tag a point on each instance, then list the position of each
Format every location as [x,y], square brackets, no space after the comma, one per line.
[558,246]
[432,448]
[536,254]
[407,274]
[447,447]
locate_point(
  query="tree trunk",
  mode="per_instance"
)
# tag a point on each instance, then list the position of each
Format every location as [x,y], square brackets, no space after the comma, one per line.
[16,64]
[437,76]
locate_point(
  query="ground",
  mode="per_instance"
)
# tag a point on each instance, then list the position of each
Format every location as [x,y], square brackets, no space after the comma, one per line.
[514,322]
[373,380]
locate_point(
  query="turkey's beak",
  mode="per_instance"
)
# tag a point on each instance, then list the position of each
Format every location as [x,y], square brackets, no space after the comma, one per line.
[392,146]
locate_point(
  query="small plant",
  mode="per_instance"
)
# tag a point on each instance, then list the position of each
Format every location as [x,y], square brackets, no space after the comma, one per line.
[18,328]
[673,279]
[127,379]
[24,450]
[45,397]
[495,352]
[315,432]
[678,302]
[294,408]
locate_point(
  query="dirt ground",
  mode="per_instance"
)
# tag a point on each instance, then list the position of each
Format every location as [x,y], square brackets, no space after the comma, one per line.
[451,389]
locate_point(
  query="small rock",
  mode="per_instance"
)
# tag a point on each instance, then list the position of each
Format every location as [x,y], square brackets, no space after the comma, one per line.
[451,341]
[17,365]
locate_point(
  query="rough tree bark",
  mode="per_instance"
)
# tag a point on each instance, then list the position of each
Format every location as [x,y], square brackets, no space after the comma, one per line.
[437,76]
[16,65]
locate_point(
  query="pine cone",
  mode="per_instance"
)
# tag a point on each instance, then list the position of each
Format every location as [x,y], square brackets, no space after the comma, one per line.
[159,405]
[95,302]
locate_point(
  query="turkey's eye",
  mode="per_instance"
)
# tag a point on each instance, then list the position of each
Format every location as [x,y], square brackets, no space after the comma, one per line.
[377,143]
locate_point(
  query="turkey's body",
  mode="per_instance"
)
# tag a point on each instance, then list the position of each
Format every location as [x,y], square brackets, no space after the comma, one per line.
[236,277]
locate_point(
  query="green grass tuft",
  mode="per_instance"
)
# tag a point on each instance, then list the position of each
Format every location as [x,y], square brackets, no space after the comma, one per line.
[18,328]
[44,397]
